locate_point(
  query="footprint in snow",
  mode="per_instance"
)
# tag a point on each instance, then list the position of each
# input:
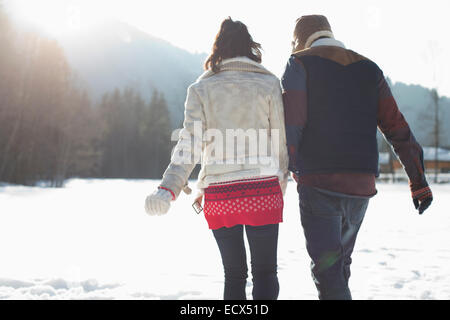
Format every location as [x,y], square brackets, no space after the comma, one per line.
[416,274]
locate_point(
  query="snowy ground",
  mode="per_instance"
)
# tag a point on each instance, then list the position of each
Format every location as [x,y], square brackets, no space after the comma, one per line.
[92,240]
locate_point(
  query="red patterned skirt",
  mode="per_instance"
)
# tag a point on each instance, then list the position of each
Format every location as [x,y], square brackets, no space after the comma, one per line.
[253,202]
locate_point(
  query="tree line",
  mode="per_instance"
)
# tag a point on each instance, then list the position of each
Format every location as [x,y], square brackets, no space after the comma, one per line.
[51,131]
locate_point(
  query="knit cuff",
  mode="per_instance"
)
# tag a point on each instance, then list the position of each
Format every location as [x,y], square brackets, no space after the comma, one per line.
[171,192]
[422,194]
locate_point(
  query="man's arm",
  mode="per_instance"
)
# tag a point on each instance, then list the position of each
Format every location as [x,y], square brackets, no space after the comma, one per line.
[293,83]
[397,132]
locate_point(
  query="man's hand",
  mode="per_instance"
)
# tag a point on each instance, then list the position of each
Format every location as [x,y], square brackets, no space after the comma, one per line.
[422,199]
[158,203]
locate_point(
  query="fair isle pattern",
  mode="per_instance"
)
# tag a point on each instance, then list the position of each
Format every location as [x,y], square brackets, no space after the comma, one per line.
[255,202]
[249,179]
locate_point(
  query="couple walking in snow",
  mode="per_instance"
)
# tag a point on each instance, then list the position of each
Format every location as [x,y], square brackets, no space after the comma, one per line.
[322,120]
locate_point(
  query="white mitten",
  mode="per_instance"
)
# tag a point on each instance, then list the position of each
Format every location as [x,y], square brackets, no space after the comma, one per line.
[158,203]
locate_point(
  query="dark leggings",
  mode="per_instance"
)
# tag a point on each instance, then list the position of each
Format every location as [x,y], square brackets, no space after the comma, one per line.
[263,241]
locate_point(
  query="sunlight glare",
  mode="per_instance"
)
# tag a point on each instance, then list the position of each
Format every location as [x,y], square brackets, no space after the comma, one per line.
[58,17]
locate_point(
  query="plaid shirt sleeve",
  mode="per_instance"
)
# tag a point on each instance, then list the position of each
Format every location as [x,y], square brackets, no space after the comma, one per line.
[293,84]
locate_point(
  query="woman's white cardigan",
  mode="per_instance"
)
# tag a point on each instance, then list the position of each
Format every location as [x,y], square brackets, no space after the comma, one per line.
[243,95]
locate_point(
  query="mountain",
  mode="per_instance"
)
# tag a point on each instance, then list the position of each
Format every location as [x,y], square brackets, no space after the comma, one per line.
[416,104]
[114,55]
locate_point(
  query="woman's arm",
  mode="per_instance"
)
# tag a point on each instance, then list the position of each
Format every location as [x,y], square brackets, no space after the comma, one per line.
[187,152]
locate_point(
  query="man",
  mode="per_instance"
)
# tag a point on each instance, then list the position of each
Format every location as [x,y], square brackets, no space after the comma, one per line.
[334,101]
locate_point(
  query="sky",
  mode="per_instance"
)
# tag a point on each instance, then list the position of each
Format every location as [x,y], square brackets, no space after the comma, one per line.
[407,39]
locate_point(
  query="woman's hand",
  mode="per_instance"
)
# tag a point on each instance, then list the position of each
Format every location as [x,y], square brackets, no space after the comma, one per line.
[197,205]
[158,203]
[199,199]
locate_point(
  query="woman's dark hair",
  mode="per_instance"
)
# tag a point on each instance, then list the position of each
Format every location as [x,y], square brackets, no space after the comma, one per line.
[233,40]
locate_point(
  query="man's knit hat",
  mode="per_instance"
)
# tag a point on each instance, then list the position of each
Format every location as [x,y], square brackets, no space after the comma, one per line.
[310,28]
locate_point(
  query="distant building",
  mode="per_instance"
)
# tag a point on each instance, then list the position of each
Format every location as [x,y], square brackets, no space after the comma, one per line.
[387,165]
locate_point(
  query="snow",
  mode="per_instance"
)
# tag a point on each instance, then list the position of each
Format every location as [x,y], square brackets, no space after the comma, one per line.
[92,240]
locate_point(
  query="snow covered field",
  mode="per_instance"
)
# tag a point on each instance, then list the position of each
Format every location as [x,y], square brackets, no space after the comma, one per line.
[92,240]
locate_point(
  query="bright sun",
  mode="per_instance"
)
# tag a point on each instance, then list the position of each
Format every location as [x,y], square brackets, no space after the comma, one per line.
[61,16]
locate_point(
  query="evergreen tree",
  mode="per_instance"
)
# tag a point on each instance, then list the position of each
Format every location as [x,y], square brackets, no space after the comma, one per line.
[157,136]
[41,111]
[135,136]
[49,130]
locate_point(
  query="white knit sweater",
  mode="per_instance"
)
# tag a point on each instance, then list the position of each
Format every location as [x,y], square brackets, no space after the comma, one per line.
[243,95]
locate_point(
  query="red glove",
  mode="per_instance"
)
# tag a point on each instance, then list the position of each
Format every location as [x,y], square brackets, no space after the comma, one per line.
[422,198]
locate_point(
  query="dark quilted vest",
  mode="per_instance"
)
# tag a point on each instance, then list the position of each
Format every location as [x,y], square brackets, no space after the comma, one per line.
[341,132]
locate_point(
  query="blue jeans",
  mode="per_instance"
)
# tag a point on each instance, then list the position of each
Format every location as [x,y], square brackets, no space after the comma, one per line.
[331,222]
[263,242]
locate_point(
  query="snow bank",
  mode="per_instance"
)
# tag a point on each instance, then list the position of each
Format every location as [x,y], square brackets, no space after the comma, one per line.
[92,240]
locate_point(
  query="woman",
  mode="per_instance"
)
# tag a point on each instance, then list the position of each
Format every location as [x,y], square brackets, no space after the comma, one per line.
[235,92]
